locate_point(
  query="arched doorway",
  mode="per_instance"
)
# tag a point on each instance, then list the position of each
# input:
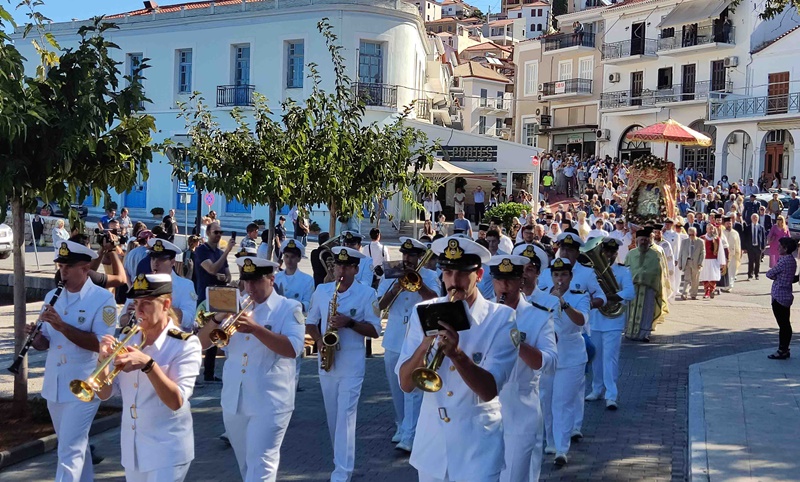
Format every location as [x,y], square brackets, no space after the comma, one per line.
[739,156]
[700,158]
[778,146]
[630,150]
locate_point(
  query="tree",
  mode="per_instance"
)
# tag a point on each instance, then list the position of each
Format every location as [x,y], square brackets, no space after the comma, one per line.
[477,13]
[771,8]
[68,131]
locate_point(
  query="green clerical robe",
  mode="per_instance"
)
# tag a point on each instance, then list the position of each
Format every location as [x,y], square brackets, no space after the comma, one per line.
[649,306]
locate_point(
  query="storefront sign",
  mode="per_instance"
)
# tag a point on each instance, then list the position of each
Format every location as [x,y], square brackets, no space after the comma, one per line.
[470,153]
[561,87]
[574,138]
[545,120]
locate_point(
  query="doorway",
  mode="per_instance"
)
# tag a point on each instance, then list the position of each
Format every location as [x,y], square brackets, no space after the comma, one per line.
[637,86]
[637,38]
[778,93]
[688,79]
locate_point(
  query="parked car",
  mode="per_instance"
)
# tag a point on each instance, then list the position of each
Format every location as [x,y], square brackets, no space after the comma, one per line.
[764,197]
[6,238]
[794,224]
[55,209]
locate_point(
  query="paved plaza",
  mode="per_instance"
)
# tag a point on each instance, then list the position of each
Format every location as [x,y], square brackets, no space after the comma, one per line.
[647,439]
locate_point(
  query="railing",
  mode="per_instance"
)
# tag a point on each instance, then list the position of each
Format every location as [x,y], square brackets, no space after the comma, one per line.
[568,86]
[565,40]
[422,107]
[754,106]
[705,34]
[235,95]
[494,103]
[382,95]
[676,93]
[626,48]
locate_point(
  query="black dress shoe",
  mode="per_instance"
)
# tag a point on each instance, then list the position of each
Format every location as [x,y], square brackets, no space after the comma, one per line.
[212,380]
[779,355]
[96,459]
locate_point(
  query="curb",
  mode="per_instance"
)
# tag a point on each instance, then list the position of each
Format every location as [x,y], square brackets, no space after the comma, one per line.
[698,452]
[46,444]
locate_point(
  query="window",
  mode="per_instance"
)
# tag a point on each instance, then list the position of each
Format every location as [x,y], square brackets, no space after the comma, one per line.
[241,70]
[718,75]
[565,70]
[370,62]
[134,61]
[498,125]
[482,125]
[499,100]
[530,133]
[531,78]
[294,64]
[538,27]
[184,71]
[665,78]
[586,68]
[483,101]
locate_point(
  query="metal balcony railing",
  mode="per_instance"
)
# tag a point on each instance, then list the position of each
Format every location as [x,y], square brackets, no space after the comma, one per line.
[568,86]
[754,106]
[677,93]
[565,40]
[235,95]
[381,95]
[688,37]
[626,48]
[422,107]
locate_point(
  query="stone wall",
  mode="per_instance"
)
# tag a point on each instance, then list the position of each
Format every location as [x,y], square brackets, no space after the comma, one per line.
[49,224]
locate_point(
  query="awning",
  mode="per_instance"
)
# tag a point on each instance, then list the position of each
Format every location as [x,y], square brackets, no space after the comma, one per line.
[692,11]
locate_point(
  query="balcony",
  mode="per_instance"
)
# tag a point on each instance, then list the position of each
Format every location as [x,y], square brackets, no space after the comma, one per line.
[699,91]
[629,51]
[494,105]
[567,88]
[377,95]
[235,95]
[422,108]
[754,106]
[568,42]
[687,41]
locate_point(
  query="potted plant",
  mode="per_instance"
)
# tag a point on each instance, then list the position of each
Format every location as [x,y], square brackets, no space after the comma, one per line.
[260,223]
[157,212]
[314,228]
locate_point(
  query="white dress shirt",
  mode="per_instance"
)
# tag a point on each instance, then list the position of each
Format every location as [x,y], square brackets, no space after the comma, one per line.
[298,286]
[400,312]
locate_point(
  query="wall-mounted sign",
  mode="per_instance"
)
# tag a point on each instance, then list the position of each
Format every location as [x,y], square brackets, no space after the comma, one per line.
[574,138]
[545,120]
[561,87]
[470,153]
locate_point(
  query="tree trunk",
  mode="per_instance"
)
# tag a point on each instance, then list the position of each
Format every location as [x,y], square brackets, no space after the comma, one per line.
[20,404]
[332,222]
[273,211]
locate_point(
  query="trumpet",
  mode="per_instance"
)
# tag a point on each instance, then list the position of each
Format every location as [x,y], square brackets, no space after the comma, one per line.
[330,340]
[14,368]
[426,378]
[203,317]
[410,281]
[85,390]
[222,336]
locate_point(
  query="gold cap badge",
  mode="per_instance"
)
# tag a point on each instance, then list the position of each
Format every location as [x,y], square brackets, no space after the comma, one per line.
[249,267]
[291,244]
[343,256]
[529,252]
[568,240]
[453,251]
[140,283]
[63,251]
[506,266]
[559,263]
[158,247]
[408,244]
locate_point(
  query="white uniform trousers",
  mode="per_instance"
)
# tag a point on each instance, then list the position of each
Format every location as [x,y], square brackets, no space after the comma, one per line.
[406,405]
[72,421]
[427,478]
[546,402]
[256,442]
[341,404]
[176,473]
[676,283]
[297,370]
[523,455]
[567,397]
[605,366]
[412,404]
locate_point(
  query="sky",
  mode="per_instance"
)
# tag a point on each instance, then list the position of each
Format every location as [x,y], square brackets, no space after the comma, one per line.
[65,10]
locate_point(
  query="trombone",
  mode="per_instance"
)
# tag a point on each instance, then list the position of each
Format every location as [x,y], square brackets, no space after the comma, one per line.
[85,390]
[411,281]
[426,378]
[222,336]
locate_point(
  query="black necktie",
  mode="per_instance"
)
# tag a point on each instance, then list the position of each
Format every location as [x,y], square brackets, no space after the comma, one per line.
[755,236]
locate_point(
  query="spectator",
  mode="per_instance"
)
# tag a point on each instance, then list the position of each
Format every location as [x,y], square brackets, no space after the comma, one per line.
[774,206]
[301,234]
[441,225]
[111,212]
[794,204]
[479,198]
[426,230]
[280,237]
[778,231]
[249,240]
[783,276]
[170,228]
[59,233]
[192,243]
[462,224]
[378,252]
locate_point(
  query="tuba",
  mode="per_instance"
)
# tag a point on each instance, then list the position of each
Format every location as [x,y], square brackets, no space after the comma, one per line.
[330,340]
[592,257]
[326,256]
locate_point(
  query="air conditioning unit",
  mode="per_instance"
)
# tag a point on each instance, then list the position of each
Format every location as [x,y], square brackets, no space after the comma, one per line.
[603,134]
[731,61]
[613,78]
[540,88]
[539,97]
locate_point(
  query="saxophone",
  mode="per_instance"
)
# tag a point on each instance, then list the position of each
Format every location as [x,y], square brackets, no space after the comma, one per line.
[330,340]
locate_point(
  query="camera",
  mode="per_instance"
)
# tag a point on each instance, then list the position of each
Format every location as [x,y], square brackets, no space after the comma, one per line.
[103,236]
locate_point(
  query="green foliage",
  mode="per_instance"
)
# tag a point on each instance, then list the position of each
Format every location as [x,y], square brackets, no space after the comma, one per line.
[506,212]
[771,8]
[314,227]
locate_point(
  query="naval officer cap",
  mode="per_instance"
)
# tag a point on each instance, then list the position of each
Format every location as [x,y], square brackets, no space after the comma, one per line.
[458,253]
[351,237]
[560,264]
[161,248]
[346,256]
[243,252]
[536,254]
[570,240]
[253,267]
[507,266]
[611,244]
[411,246]
[70,252]
[150,285]
[293,246]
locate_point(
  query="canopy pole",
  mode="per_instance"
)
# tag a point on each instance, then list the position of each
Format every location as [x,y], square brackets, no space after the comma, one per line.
[666,152]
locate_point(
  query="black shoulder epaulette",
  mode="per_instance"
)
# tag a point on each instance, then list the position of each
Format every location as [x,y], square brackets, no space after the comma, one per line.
[544,308]
[543,288]
[578,292]
[181,335]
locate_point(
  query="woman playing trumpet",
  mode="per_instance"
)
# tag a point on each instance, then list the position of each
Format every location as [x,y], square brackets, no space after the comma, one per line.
[156,381]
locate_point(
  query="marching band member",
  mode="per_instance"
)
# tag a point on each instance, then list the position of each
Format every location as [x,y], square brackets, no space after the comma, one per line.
[531,275]
[607,332]
[162,261]
[406,405]
[519,398]
[156,382]
[71,331]
[352,240]
[460,430]
[565,388]
[258,383]
[355,319]
[294,284]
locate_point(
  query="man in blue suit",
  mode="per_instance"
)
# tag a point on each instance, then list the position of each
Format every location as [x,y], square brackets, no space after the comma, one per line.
[754,239]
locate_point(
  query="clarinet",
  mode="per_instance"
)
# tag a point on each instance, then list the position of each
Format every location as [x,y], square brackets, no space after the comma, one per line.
[14,368]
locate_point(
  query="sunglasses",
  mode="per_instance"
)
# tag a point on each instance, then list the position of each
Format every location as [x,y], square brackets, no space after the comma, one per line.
[216,232]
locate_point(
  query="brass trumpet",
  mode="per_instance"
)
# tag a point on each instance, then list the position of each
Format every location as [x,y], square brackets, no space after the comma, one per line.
[426,378]
[85,390]
[222,336]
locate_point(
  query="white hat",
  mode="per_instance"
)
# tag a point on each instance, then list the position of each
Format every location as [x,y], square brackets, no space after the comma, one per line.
[531,250]
[411,244]
[460,253]
[70,252]
[244,252]
[569,239]
[561,264]
[351,237]
[253,267]
[345,255]
[507,265]
[161,247]
[293,244]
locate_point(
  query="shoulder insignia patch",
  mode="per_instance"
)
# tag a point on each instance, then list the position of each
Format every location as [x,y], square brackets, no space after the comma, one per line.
[477,357]
[544,308]
[299,318]
[181,335]
[82,320]
[109,315]
[515,337]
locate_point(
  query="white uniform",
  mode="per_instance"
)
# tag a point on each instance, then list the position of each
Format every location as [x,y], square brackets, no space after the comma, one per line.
[92,309]
[562,393]
[625,240]
[258,389]
[184,298]
[406,405]
[674,241]
[607,336]
[486,285]
[666,247]
[365,274]
[520,407]
[299,287]
[469,445]
[157,442]
[341,386]
[506,244]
